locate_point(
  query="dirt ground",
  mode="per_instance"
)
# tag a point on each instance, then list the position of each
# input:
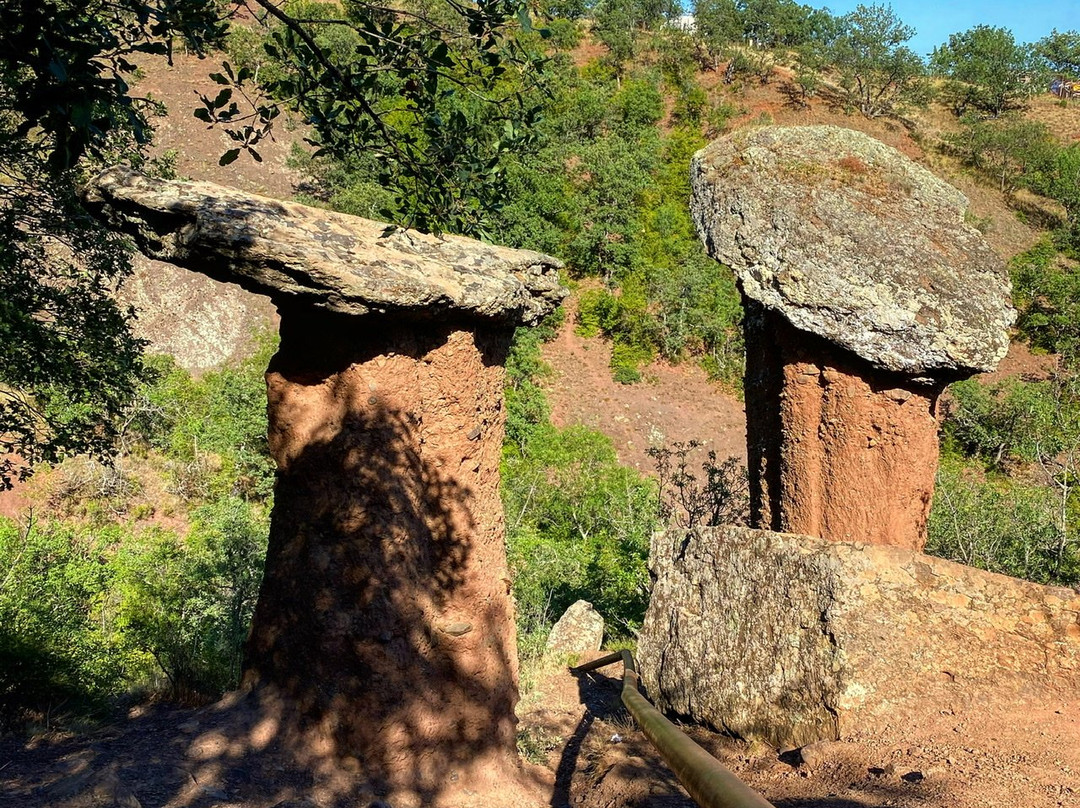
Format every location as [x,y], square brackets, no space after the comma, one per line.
[587,752]
[673,403]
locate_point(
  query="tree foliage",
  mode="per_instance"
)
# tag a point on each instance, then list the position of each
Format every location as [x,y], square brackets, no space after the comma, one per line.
[1061,50]
[69,362]
[1046,291]
[989,71]
[878,72]
[1010,150]
[433,95]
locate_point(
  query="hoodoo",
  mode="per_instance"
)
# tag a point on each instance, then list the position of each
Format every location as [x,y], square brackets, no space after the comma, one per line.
[384,633]
[866,293]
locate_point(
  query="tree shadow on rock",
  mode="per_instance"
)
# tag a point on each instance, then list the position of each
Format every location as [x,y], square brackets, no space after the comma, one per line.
[383,639]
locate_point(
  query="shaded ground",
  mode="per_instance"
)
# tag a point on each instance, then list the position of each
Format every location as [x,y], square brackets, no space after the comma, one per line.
[591,753]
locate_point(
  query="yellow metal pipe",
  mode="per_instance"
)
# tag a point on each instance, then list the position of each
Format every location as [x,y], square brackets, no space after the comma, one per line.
[708,783]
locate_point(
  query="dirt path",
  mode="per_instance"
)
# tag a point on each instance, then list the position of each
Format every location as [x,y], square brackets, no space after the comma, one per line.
[222,756]
[1019,754]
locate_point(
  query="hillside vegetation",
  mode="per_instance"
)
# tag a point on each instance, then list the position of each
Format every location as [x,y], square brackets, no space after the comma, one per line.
[139,574]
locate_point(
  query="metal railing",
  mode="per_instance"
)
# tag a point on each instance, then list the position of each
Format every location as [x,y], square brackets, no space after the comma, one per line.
[707,782]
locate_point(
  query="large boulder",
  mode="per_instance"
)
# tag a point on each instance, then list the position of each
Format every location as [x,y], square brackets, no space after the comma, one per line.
[852,241]
[792,639]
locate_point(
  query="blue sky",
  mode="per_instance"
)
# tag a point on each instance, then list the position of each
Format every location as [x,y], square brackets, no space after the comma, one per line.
[1029,20]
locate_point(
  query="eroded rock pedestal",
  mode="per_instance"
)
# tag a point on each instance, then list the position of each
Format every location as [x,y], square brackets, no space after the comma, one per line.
[383,638]
[866,293]
[838,449]
[794,639]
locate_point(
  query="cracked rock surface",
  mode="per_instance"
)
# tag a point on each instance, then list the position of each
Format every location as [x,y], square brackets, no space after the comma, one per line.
[324,260]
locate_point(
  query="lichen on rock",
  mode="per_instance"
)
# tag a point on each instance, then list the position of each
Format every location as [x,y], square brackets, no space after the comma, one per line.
[852,241]
[324,260]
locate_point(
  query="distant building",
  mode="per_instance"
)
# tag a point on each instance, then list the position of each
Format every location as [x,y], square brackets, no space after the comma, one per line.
[684,22]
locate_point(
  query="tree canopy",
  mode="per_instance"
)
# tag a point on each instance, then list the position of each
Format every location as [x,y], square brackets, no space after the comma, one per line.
[1061,50]
[877,70]
[69,362]
[990,71]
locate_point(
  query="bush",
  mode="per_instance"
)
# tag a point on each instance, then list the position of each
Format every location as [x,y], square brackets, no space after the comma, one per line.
[221,414]
[721,497]
[60,645]
[188,601]
[998,524]
[578,526]
[1046,290]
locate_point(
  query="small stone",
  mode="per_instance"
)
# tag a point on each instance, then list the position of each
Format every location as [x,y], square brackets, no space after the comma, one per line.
[579,631]
[816,755]
[457,629]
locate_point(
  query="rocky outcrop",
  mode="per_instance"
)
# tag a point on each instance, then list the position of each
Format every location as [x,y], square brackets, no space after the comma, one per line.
[793,639]
[383,638]
[866,293]
[324,260]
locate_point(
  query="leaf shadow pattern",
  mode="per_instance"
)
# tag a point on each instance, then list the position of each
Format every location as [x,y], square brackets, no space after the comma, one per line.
[383,640]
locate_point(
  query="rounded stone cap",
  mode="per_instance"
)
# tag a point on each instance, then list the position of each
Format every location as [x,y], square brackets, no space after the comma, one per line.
[852,241]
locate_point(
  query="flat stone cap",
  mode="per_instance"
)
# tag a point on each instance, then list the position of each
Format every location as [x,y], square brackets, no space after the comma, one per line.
[330,261]
[852,241]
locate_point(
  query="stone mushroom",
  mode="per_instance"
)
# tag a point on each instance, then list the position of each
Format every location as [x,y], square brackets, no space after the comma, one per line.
[866,293]
[384,630]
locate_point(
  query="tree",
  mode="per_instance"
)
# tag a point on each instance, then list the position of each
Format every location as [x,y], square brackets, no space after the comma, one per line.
[989,70]
[1061,181]
[69,362]
[1010,150]
[782,23]
[1061,50]
[433,96]
[877,71]
[620,22]
[718,25]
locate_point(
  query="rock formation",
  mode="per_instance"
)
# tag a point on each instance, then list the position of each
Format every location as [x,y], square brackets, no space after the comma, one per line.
[578,632]
[384,631]
[866,293]
[794,639]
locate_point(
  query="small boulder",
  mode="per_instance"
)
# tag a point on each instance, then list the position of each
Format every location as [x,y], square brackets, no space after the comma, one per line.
[579,631]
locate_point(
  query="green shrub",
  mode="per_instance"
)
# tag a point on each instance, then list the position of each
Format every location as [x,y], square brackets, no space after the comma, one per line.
[1046,290]
[1014,420]
[221,414]
[578,526]
[188,601]
[60,646]
[998,524]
